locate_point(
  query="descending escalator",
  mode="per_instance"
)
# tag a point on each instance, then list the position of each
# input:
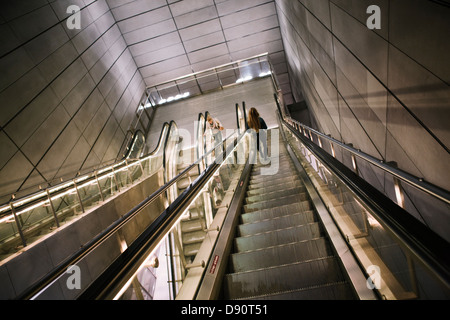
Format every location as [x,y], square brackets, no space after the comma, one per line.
[281,250]
[285,243]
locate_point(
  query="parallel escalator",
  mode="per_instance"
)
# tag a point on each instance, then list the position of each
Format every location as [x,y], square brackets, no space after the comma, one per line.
[282,250]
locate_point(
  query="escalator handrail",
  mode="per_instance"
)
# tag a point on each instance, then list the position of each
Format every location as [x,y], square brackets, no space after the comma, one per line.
[430,248]
[419,183]
[200,143]
[166,141]
[116,274]
[130,145]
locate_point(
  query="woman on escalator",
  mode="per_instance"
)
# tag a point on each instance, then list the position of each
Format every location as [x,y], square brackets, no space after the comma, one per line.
[258,124]
[216,129]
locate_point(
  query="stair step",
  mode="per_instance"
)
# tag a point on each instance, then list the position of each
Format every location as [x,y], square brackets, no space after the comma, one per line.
[276,212]
[280,255]
[282,192]
[185,182]
[280,162]
[191,249]
[277,223]
[329,291]
[275,202]
[278,237]
[267,178]
[192,225]
[273,181]
[283,278]
[282,157]
[272,188]
[194,237]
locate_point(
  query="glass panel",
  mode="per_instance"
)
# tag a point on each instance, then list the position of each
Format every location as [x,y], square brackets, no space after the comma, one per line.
[35,214]
[67,205]
[90,193]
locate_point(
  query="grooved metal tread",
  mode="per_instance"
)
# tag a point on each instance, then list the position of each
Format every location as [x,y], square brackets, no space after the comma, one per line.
[276,223]
[281,250]
[329,291]
[276,212]
[293,276]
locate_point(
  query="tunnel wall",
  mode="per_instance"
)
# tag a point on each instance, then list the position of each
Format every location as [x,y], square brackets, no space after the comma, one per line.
[67,96]
[384,90]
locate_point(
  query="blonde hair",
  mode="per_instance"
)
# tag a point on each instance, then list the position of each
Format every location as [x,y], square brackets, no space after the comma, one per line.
[253,120]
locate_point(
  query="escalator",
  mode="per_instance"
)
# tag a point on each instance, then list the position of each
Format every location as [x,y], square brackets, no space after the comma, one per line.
[282,250]
[229,230]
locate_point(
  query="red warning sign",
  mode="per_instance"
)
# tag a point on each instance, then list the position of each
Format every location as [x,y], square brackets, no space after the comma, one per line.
[214,265]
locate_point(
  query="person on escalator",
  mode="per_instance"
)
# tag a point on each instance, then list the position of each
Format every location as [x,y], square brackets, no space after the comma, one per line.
[256,123]
[216,129]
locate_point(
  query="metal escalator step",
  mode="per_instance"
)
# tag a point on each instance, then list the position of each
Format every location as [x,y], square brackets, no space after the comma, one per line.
[281,163]
[193,237]
[276,223]
[185,182]
[275,202]
[283,278]
[280,255]
[281,192]
[265,178]
[272,188]
[257,174]
[192,225]
[329,291]
[278,237]
[276,212]
[274,181]
[191,249]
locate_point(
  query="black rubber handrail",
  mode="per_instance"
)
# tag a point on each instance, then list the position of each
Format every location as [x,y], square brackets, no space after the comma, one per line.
[130,145]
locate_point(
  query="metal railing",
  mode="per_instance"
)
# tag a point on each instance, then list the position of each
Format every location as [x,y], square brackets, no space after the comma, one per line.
[217,78]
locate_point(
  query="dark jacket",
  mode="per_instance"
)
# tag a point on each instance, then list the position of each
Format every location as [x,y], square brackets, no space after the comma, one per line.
[262,124]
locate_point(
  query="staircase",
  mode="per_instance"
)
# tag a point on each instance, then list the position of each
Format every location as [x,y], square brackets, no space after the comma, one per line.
[193,224]
[281,250]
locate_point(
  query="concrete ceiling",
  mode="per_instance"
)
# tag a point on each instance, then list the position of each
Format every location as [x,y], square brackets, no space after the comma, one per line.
[169,39]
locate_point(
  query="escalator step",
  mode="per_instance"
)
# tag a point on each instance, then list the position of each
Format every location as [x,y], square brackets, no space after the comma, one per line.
[191,225]
[194,237]
[273,181]
[329,291]
[270,177]
[276,187]
[283,278]
[283,210]
[280,255]
[275,202]
[278,237]
[276,223]
[282,165]
[282,192]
